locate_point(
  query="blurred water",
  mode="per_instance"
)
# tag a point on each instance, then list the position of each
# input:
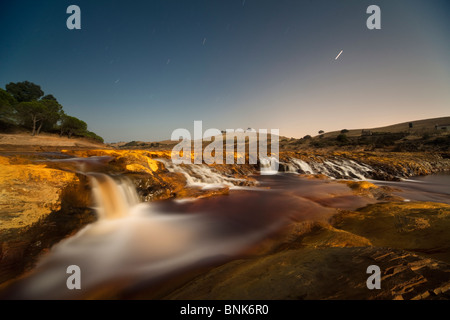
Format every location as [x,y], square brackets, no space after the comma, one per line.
[435,188]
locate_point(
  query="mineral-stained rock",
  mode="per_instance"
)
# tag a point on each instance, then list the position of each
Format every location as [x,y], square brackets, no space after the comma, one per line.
[39,207]
[155,182]
[322,273]
[371,190]
[127,160]
[422,227]
[35,187]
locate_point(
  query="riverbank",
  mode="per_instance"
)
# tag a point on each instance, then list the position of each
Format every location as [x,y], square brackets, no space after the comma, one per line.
[45,142]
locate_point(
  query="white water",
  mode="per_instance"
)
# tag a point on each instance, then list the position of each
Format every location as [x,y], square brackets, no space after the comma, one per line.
[302,165]
[201,175]
[340,169]
[268,166]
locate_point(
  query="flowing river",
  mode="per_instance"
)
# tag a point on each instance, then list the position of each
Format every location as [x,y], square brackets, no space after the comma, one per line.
[135,245]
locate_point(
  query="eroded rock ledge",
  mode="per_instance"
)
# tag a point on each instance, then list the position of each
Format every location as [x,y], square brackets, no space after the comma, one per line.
[40,206]
[322,273]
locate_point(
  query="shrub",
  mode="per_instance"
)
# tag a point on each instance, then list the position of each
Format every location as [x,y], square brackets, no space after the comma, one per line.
[131,144]
[342,138]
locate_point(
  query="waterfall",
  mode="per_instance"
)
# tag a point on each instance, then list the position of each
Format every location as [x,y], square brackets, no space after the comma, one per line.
[201,175]
[269,165]
[114,198]
[302,165]
[336,168]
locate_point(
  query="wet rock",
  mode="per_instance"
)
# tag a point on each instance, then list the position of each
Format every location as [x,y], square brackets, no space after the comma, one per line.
[368,189]
[421,227]
[193,193]
[158,186]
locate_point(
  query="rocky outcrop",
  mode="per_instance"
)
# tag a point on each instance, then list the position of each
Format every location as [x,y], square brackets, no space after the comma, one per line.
[370,165]
[370,190]
[156,179]
[334,164]
[420,227]
[40,206]
[30,191]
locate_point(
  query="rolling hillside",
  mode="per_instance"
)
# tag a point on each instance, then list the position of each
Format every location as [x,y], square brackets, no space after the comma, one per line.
[419,127]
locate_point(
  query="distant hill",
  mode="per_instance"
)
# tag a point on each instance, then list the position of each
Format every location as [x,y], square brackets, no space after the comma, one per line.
[417,135]
[418,127]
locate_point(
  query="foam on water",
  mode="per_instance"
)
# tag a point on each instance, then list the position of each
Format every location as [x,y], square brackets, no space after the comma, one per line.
[201,175]
[335,169]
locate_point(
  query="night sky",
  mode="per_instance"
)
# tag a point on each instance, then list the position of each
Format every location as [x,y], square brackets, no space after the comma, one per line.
[137,70]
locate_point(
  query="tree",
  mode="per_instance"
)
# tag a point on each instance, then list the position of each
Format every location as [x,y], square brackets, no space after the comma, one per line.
[321,132]
[93,136]
[72,125]
[62,117]
[51,116]
[49,97]
[38,115]
[24,91]
[7,103]
[31,114]
[307,137]
[24,104]
[344,131]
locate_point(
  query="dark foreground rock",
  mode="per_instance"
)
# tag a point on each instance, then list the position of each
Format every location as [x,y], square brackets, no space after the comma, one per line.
[323,273]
